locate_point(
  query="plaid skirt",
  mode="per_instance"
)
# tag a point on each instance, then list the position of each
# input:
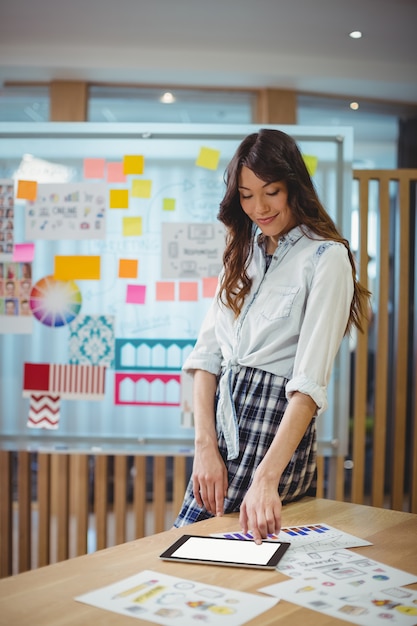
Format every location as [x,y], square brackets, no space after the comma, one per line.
[260,402]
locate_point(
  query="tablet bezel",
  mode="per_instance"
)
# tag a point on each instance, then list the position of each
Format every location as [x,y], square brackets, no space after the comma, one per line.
[168,554]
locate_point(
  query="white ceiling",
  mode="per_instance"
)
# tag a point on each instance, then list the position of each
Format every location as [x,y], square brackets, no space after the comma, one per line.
[300,44]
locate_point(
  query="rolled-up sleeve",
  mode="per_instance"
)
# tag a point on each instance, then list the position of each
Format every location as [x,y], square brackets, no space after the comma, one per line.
[206,354]
[324,325]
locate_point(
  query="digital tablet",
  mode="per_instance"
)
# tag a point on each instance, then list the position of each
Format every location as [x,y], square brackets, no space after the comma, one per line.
[222,551]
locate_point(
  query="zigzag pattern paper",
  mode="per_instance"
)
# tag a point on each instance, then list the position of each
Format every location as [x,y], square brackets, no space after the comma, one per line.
[44,412]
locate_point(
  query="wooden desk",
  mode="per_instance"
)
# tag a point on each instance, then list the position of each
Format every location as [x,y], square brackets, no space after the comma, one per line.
[45,597]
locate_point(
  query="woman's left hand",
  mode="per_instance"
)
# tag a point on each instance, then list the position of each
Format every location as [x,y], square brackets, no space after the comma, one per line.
[260,511]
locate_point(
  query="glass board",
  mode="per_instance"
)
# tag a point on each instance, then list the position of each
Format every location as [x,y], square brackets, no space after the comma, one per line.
[158,258]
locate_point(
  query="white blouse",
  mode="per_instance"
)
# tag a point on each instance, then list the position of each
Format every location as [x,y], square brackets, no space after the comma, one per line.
[292,322]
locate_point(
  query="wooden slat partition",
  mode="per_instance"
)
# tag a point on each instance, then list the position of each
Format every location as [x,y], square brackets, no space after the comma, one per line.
[381,369]
[120,497]
[159,492]
[100,500]
[361,369]
[393,418]
[44,508]
[79,495]
[320,477]
[139,495]
[70,487]
[24,507]
[6,512]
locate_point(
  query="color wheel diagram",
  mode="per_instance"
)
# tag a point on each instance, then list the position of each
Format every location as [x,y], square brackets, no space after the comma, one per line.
[55,302]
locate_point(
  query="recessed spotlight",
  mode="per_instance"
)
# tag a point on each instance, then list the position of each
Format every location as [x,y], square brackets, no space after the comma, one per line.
[167,98]
[355,34]
[354,106]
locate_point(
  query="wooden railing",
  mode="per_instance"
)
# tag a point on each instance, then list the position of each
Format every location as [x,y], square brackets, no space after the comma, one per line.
[386,427]
[50,503]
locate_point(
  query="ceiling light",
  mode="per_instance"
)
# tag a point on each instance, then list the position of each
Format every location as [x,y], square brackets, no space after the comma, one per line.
[167,98]
[354,106]
[355,34]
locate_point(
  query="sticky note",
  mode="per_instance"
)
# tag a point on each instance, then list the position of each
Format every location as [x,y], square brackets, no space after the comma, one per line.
[209,286]
[133,164]
[188,292]
[136,294]
[115,173]
[119,199]
[128,268]
[141,188]
[168,204]
[27,190]
[94,168]
[23,252]
[311,163]
[132,226]
[208,158]
[165,291]
[77,267]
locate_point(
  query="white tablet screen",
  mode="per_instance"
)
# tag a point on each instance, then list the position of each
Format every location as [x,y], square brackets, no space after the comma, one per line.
[228,551]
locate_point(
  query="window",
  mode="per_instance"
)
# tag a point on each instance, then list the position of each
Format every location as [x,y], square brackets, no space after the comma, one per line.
[190,106]
[24,104]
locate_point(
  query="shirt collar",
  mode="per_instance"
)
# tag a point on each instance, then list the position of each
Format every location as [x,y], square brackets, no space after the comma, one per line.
[291,237]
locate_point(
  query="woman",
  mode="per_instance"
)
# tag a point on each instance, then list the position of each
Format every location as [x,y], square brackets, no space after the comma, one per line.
[287,295]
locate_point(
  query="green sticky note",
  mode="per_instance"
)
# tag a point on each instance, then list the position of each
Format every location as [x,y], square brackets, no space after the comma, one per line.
[168,204]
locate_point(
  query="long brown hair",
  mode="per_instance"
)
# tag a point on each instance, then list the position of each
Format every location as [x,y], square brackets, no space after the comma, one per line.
[274,156]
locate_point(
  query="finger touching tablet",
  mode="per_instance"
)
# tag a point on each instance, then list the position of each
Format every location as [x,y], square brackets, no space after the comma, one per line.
[223,551]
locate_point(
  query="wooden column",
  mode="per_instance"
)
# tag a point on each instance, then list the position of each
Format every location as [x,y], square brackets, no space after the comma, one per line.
[68,101]
[6,514]
[276,106]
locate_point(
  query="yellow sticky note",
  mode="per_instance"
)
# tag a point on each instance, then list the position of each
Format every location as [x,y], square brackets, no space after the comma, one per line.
[77,267]
[141,188]
[133,164]
[119,199]
[311,163]
[168,204]
[128,268]
[27,189]
[132,226]
[208,158]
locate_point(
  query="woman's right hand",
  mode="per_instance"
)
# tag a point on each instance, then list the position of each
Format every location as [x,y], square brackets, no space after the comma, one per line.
[209,478]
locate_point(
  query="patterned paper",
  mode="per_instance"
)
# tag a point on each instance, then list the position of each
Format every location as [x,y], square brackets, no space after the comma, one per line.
[44,411]
[72,382]
[91,340]
[148,389]
[143,354]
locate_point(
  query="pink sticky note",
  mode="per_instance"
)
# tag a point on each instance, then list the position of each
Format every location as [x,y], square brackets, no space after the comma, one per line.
[135,294]
[23,252]
[115,173]
[165,291]
[209,286]
[94,168]
[188,292]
